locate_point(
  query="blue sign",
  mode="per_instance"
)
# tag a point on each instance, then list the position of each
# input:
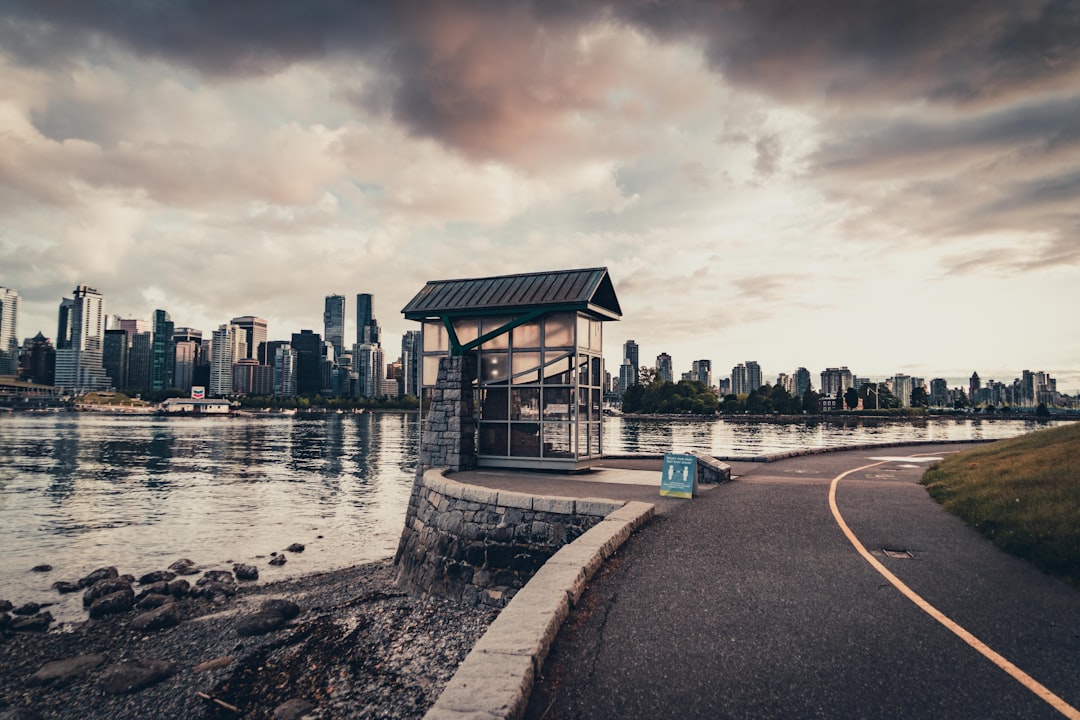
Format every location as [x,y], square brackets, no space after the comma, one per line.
[679,478]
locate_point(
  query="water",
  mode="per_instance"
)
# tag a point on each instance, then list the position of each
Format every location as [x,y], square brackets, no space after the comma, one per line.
[79,490]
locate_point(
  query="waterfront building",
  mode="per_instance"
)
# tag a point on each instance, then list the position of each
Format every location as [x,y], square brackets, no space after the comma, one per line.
[802,381]
[835,381]
[9,331]
[334,323]
[284,359]
[787,382]
[630,352]
[974,385]
[537,341]
[367,328]
[368,362]
[79,366]
[63,324]
[185,355]
[411,356]
[627,376]
[753,376]
[140,361]
[115,357]
[902,386]
[664,369]
[228,346]
[163,353]
[308,346]
[701,370]
[939,392]
[251,378]
[740,384]
[40,361]
[253,330]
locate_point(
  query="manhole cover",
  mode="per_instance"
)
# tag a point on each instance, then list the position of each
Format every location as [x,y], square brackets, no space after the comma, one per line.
[898,554]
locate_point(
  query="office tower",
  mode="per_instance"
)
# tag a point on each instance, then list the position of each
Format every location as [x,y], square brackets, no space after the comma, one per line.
[184,354]
[334,323]
[133,326]
[973,388]
[63,324]
[802,381]
[753,376]
[163,352]
[627,376]
[701,370]
[663,368]
[140,375]
[901,387]
[284,358]
[253,331]
[630,352]
[939,392]
[79,365]
[411,357]
[368,361]
[308,347]
[251,378]
[739,382]
[41,365]
[835,381]
[367,328]
[229,345]
[115,357]
[9,331]
[786,382]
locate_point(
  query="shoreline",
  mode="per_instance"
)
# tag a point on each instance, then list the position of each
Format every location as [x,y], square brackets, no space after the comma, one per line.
[357,647]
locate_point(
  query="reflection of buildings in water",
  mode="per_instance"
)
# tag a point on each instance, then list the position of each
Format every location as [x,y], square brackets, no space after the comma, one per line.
[65,454]
[332,447]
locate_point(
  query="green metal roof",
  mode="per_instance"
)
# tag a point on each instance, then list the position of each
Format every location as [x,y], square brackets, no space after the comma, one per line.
[588,290]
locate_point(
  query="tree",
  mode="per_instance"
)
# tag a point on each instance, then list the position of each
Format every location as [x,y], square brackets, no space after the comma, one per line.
[631,399]
[919,398]
[961,401]
[851,398]
[810,402]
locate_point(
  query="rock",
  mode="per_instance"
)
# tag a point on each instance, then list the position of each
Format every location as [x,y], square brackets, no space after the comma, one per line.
[102,588]
[149,602]
[20,714]
[218,576]
[5,606]
[213,664]
[128,578]
[278,560]
[64,587]
[213,589]
[60,671]
[157,576]
[36,623]
[259,623]
[5,620]
[30,608]
[135,675]
[41,568]
[246,572]
[184,567]
[105,573]
[179,588]
[158,588]
[163,617]
[117,602]
[296,548]
[293,709]
[285,608]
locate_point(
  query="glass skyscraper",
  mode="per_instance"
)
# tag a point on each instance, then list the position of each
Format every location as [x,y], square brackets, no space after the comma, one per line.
[79,366]
[9,330]
[334,323]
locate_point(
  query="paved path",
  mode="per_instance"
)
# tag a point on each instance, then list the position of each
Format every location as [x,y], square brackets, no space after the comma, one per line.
[750,602]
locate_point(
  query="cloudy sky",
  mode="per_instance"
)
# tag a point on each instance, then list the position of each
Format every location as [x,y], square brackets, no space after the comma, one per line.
[891,186]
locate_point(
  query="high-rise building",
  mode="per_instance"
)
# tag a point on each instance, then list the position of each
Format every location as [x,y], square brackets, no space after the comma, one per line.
[411,356]
[334,323]
[802,381]
[835,381]
[368,362]
[367,328]
[251,378]
[41,363]
[939,392]
[79,366]
[189,356]
[253,330]
[740,384]
[115,357]
[627,376]
[9,331]
[229,346]
[701,370]
[283,357]
[630,352]
[308,346]
[663,368]
[902,386]
[163,353]
[140,375]
[753,375]
[63,324]
[973,388]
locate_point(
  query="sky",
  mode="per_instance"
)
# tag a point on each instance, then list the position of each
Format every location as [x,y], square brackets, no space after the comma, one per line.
[889,186]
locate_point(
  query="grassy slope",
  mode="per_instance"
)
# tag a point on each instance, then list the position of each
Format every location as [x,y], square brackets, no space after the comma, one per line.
[1023,493]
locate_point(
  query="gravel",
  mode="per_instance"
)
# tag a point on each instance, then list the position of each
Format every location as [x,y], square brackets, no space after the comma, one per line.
[359,648]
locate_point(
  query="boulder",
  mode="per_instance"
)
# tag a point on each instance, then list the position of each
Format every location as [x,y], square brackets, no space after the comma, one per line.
[64,587]
[30,608]
[102,588]
[5,606]
[293,709]
[149,602]
[166,616]
[105,573]
[259,623]
[35,623]
[184,567]
[157,576]
[296,548]
[61,671]
[5,620]
[285,608]
[41,568]
[117,602]
[218,576]
[179,588]
[158,588]
[20,713]
[278,560]
[246,572]
[212,589]
[135,675]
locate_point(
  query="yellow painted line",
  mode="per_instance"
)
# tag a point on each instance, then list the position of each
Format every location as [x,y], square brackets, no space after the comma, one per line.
[1019,675]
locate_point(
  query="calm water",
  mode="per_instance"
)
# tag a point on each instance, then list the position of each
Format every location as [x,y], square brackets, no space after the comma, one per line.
[78,491]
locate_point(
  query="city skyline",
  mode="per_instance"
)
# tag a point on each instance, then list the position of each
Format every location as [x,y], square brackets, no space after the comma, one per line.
[891,189]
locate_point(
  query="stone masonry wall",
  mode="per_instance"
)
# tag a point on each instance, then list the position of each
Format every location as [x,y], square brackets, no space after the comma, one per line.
[480,546]
[449,434]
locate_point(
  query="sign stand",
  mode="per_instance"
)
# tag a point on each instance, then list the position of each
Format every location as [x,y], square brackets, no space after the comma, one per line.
[679,478]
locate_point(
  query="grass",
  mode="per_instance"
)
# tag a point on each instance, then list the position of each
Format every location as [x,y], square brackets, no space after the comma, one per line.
[1022,493]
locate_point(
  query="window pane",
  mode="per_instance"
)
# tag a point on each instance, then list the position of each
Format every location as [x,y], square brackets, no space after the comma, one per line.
[583,439]
[583,331]
[596,344]
[525,404]
[559,330]
[493,439]
[594,440]
[597,373]
[527,335]
[558,372]
[431,369]
[557,440]
[502,342]
[425,400]
[435,337]
[525,439]
[494,367]
[583,371]
[583,404]
[595,403]
[557,403]
[493,403]
[466,330]
[525,367]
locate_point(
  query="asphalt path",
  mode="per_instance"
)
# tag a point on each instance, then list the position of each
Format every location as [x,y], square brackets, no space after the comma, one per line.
[751,602]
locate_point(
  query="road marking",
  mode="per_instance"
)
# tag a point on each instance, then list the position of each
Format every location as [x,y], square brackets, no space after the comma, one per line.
[1017,674]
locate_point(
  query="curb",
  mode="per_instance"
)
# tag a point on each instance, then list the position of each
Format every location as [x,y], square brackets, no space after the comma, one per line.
[496,678]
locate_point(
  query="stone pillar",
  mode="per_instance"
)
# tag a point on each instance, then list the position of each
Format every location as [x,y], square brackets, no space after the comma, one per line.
[448,438]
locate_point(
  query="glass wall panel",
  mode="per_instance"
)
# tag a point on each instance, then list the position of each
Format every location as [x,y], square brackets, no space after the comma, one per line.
[595,406]
[494,367]
[501,342]
[557,440]
[557,403]
[435,338]
[558,371]
[583,404]
[596,342]
[431,369]
[525,439]
[594,439]
[583,439]
[527,336]
[525,404]
[525,367]
[559,330]
[493,439]
[466,330]
[583,371]
[597,372]
[494,403]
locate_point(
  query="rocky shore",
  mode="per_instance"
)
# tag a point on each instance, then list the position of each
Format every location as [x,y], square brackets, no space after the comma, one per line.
[182,643]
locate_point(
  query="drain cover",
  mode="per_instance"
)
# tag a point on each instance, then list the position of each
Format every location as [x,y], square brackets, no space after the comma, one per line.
[898,554]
